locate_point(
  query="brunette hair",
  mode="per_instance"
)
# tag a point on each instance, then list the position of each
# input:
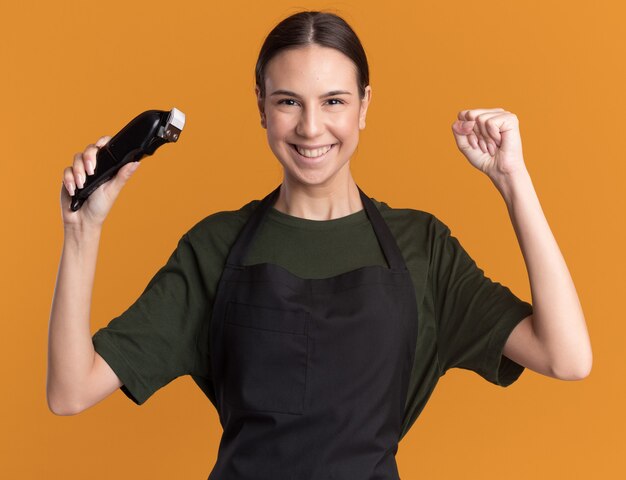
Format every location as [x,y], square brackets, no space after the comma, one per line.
[313,28]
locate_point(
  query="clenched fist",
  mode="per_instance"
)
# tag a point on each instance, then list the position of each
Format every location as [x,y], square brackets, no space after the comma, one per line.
[490,140]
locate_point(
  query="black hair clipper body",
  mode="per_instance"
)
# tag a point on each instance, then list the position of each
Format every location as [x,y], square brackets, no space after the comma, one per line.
[142,136]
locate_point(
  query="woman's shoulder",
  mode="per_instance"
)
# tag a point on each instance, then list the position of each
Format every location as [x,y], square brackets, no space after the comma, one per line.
[403,218]
[221,225]
[417,232]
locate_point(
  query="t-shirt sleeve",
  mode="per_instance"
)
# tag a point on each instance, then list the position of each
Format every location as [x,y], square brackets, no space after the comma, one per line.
[475,315]
[156,339]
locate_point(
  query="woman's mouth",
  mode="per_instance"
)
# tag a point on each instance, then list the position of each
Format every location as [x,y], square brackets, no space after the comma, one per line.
[312,154]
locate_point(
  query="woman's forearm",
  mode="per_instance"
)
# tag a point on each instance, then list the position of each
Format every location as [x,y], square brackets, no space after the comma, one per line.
[70,348]
[558,319]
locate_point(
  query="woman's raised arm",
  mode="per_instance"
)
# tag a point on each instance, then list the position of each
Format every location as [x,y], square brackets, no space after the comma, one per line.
[77,377]
[553,340]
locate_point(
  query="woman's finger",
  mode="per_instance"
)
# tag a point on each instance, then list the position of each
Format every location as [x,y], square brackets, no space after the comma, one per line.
[460,135]
[473,141]
[495,124]
[477,131]
[472,114]
[102,141]
[483,145]
[68,181]
[89,157]
[78,168]
[488,125]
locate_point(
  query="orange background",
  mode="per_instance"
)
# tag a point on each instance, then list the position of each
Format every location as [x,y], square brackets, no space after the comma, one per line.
[73,71]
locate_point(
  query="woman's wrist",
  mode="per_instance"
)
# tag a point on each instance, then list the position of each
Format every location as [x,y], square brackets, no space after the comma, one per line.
[82,231]
[511,186]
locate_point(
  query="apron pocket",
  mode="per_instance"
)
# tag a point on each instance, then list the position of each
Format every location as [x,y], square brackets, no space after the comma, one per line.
[265,358]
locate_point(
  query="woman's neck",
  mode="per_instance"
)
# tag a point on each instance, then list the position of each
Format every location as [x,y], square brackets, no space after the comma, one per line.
[319,202]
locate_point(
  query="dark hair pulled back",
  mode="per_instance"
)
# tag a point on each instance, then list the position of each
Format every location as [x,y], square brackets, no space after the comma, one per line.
[313,28]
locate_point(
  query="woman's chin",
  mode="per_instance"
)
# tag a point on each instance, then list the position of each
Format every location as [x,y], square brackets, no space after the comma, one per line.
[313,177]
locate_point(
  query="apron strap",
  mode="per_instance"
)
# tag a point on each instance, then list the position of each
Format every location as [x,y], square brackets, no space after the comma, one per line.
[385,238]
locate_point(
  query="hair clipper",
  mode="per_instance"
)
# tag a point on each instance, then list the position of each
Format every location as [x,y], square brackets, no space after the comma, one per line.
[142,136]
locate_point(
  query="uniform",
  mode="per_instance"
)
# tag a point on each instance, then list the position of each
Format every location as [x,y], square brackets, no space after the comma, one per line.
[464,317]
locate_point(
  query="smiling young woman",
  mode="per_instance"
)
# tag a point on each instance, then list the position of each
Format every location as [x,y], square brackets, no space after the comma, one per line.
[313,92]
[313,114]
[317,320]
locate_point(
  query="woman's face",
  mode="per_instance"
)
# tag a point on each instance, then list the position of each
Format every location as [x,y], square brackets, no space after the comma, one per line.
[312,112]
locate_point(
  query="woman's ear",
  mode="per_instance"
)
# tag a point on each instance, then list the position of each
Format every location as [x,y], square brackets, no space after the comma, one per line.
[365,101]
[261,105]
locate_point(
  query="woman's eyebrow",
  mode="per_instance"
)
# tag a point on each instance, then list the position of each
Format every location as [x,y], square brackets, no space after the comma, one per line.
[293,94]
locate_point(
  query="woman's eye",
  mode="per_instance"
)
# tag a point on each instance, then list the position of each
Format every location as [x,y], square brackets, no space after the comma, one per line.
[291,102]
[286,101]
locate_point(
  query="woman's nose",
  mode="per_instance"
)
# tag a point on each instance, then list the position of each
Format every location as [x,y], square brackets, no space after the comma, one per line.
[310,123]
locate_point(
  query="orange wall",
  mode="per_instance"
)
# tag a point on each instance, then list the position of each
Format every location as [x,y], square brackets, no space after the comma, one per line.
[73,71]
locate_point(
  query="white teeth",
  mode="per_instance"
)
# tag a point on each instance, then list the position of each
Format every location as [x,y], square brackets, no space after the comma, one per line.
[313,153]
